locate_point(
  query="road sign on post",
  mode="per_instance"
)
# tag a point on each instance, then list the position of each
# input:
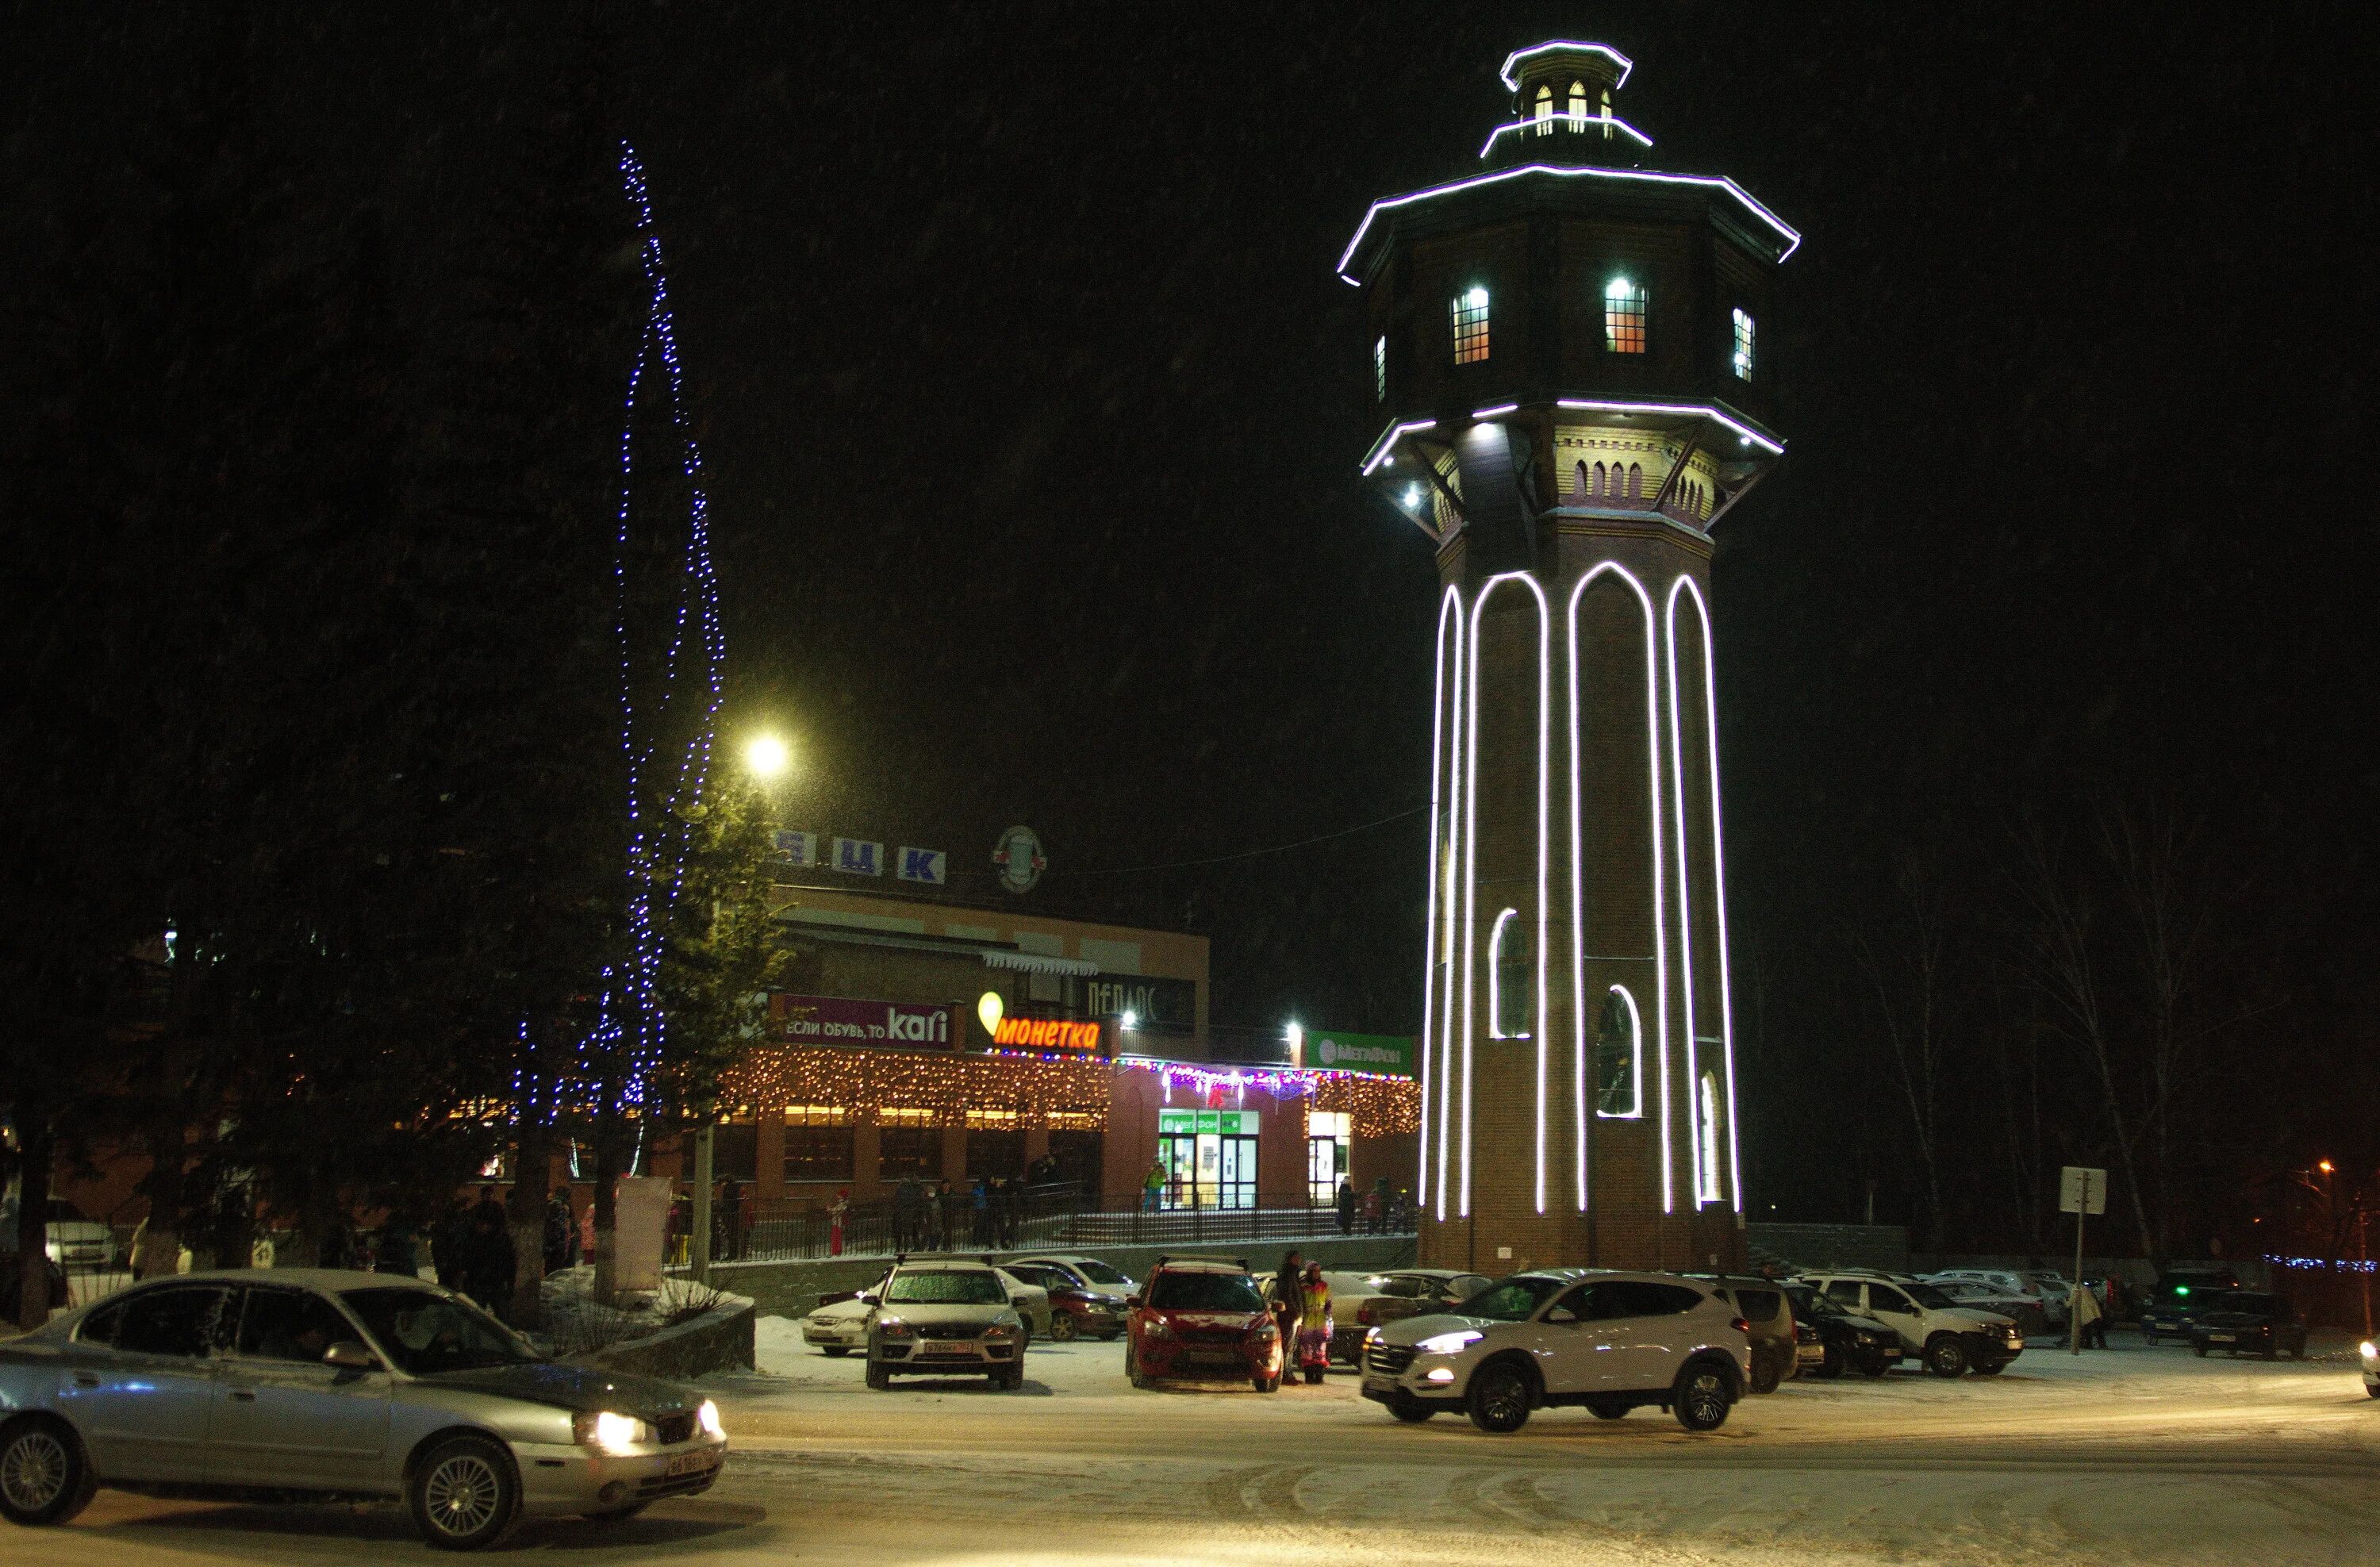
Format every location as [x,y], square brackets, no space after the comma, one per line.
[2081,1192]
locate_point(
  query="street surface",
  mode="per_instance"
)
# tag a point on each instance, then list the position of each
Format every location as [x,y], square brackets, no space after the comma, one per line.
[2130,1455]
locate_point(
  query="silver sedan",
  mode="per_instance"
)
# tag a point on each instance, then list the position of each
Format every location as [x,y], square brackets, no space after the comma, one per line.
[311,1382]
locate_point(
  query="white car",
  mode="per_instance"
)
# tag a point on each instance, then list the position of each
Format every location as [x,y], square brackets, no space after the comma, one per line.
[838,1326]
[1095,1277]
[1952,1340]
[76,1242]
[2369,1353]
[1611,1341]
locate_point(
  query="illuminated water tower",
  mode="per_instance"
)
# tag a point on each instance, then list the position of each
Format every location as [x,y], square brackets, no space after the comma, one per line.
[1569,352]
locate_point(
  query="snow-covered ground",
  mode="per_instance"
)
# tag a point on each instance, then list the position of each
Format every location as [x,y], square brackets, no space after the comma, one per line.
[2130,1455]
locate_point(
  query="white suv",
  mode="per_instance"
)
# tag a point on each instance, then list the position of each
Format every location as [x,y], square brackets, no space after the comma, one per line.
[1612,1341]
[1950,1339]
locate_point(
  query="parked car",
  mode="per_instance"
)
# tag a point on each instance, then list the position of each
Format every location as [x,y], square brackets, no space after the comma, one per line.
[838,1324]
[2021,1307]
[1950,1339]
[1353,1307]
[1381,1298]
[945,1318]
[77,1243]
[1560,1336]
[2369,1353]
[1847,1340]
[1203,1319]
[321,1383]
[2057,1294]
[1087,1271]
[1075,1312]
[2167,1312]
[2253,1321]
[1769,1313]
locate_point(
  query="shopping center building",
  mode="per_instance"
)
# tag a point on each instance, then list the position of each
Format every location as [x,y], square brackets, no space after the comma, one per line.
[940,1040]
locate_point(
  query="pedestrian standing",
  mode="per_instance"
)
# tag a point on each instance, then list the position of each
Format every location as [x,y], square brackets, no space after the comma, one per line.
[488,1263]
[979,1211]
[1288,1284]
[1152,1187]
[395,1252]
[906,1197]
[2090,1319]
[836,1212]
[558,1228]
[1375,1211]
[1313,1325]
[1346,1206]
[731,1219]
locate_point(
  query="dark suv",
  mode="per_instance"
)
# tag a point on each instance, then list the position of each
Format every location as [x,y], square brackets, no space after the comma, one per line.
[2175,1301]
[1847,1340]
[2250,1320]
[1203,1319]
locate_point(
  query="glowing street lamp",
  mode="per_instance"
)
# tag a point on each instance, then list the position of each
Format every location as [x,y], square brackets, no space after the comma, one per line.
[766,756]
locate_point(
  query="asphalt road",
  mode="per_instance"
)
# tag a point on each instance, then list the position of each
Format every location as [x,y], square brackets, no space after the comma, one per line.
[2130,1455]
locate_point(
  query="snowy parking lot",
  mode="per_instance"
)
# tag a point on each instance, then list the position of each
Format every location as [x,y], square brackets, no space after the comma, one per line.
[2132,1454]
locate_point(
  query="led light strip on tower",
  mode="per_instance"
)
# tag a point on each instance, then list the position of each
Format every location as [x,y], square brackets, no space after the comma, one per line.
[1701,410]
[1389,439]
[1450,626]
[1512,84]
[1471,864]
[1718,868]
[1711,182]
[1577,125]
[1578,899]
[1695,1131]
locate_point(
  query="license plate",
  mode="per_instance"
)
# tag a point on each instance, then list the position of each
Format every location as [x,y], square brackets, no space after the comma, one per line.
[688,1463]
[947,1349]
[2222,1338]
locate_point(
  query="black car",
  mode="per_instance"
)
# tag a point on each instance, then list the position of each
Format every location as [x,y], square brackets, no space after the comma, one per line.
[2249,1321]
[2175,1301]
[1850,1341]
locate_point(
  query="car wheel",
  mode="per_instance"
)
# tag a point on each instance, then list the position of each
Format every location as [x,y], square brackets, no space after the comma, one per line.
[877,1376]
[836,1351]
[1265,1384]
[1061,1329]
[1946,1357]
[1873,1366]
[1498,1401]
[2199,1350]
[464,1494]
[1024,1338]
[1607,1409]
[44,1476]
[1765,1374]
[1831,1364]
[2371,1390]
[616,1514]
[1702,1399]
[1989,1368]
[1413,1411]
[2149,1336]
[1008,1378]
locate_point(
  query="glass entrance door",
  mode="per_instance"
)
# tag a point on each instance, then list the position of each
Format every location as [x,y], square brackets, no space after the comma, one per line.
[1209,1157]
[1235,1185]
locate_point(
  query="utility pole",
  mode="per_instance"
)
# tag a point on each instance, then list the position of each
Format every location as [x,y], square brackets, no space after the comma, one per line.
[2081,1192]
[698,1243]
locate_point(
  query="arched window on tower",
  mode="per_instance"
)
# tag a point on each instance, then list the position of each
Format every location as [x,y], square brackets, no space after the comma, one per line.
[1583,487]
[1544,116]
[1601,478]
[1707,1176]
[1636,481]
[1469,313]
[1618,1058]
[1509,983]
[1578,105]
[1624,304]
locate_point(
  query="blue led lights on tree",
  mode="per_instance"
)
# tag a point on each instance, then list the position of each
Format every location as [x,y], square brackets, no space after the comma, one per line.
[670,680]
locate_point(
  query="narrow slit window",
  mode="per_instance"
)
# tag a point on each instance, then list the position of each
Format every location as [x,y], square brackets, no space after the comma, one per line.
[1741,363]
[1380,369]
[1708,1188]
[1607,114]
[1623,316]
[1469,311]
[1509,978]
[1618,1059]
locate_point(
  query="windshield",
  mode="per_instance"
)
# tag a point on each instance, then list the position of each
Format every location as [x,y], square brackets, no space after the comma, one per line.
[953,1288]
[2254,1304]
[1100,1273]
[1515,1300]
[1929,1297]
[1808,1301]
[426,1333]
[1204,1292]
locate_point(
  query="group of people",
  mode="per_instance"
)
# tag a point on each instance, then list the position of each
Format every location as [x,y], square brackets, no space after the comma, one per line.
[1380,1210]
[933,1216]
[1300,1307]
[730,1225]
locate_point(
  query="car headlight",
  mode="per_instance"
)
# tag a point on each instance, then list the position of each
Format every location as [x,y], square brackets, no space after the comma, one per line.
[1449,1343]
[1155,1328]
[999,1331]
[2368,1350]
[612,1433]
[894,1327]
[708,1418]
[1267,1331]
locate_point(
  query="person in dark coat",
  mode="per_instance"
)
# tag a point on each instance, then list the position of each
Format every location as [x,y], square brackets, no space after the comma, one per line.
[731,1221]
[561,1229]
[1346,1206]
[488,1259]
[1289,1300]
[395,1253]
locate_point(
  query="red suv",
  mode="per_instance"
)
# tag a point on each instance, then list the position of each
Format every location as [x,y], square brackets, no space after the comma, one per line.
[1201,1319]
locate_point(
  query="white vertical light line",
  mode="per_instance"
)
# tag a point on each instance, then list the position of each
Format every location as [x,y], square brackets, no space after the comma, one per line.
[1457,786]
[1636,1049]
[1471,862]
[1684,899]
[1545,850]
[1719,897]
[1495,980]
[1577,900]
[1578,924]
[1449,608]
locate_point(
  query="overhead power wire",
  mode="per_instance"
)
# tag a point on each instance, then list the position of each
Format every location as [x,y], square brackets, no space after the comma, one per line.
[1248,854]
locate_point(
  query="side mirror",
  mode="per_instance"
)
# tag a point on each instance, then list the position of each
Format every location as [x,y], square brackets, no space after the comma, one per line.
[349,1356]
[1562,1314]
[1134,1302]
[866,1297]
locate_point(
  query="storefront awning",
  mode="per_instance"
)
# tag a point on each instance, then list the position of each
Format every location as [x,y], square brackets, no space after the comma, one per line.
[1038,963]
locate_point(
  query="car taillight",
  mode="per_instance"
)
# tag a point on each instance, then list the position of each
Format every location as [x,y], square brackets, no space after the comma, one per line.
[1363,1314]
[1740,1325]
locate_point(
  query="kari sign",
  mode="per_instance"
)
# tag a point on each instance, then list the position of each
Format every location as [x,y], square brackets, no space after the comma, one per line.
[839,1020]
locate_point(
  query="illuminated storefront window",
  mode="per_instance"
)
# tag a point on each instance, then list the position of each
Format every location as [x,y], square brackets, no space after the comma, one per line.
[1743,359]
[1329,1135]
[818,1143]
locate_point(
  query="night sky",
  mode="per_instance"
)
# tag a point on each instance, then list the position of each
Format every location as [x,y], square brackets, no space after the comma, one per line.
[1033,409]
